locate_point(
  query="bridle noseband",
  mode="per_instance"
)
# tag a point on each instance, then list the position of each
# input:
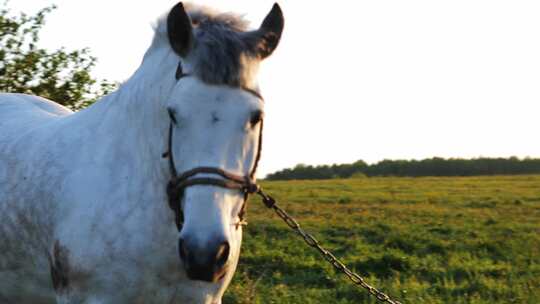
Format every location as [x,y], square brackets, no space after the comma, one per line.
[178,183]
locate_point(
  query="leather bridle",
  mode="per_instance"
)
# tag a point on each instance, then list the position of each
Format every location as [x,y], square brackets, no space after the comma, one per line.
[179,182]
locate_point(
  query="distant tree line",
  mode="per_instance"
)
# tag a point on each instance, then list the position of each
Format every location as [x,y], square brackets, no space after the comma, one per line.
[427,167]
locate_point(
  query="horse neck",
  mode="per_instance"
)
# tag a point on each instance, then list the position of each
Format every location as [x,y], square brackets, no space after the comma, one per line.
[134,117]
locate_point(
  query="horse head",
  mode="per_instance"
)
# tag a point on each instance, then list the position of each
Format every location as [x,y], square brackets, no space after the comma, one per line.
[215,115]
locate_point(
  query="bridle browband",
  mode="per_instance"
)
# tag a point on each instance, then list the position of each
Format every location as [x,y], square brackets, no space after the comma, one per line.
[178,183]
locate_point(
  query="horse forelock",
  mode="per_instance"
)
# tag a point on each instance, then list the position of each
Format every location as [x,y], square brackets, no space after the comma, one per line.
[220,54]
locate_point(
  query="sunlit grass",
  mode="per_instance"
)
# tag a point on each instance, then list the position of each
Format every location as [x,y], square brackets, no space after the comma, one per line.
[422,240]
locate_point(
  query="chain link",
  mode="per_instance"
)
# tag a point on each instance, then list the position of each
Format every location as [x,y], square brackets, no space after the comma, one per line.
[270,202]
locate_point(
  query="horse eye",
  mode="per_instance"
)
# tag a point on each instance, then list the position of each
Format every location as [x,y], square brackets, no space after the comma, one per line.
[179,71]
[256,117]
[171,115]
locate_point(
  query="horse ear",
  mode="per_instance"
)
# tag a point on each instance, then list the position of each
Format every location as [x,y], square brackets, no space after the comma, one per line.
[266,39]
[180,30]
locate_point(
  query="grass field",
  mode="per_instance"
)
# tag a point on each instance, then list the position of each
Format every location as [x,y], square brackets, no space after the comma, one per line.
[422,240]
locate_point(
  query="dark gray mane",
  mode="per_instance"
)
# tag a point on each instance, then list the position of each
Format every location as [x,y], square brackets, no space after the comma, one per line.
[217,47]
[221,54]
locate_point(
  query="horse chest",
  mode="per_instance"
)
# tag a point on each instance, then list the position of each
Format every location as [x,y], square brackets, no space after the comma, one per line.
[122,259]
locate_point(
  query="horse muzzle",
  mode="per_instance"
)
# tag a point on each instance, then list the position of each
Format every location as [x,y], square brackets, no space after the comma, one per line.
[208,264]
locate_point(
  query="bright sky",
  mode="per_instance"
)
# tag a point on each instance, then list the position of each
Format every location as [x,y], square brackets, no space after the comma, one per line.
[359,79]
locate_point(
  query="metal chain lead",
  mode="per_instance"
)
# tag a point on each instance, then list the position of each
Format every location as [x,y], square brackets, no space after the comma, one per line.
[270,202]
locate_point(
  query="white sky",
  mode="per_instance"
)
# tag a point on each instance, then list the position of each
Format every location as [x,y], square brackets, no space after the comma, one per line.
[359,79]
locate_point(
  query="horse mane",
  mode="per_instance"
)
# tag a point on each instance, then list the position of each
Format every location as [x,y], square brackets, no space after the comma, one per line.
[221,54]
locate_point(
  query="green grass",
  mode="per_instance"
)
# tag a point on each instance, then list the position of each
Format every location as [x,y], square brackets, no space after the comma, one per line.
[422,240]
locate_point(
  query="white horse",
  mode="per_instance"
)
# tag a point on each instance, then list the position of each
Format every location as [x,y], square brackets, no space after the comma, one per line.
[85,215]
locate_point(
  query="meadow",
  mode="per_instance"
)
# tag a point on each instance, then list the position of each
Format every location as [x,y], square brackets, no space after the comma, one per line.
[421,240]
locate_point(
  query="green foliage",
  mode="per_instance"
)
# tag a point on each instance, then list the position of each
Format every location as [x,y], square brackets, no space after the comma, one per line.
[422,240]
[428,167]
[61,75]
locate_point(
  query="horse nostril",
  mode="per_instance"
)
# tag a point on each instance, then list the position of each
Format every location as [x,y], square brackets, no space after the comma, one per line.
[182,250]
[222,254]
